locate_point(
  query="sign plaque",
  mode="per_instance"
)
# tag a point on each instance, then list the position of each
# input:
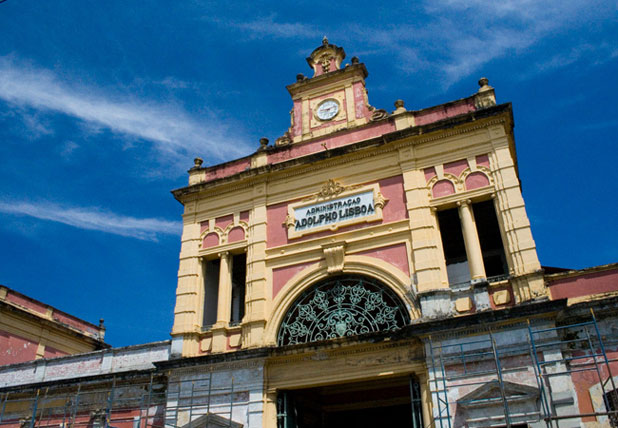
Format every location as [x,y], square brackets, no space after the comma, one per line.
[334,209]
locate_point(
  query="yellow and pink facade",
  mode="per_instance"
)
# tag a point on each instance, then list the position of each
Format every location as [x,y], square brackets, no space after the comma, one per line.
[369,268]
[413,164]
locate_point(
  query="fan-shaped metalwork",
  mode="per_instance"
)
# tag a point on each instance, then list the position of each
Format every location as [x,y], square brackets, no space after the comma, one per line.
[342,306]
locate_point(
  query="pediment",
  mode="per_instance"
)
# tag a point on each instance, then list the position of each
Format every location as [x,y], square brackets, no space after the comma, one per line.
[490,392]
[211,420]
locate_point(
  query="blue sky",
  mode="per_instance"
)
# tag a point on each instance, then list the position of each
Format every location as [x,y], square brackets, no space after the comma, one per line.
[103,106]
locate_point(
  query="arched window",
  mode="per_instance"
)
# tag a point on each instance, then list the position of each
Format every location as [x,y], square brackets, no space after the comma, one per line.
[342,306]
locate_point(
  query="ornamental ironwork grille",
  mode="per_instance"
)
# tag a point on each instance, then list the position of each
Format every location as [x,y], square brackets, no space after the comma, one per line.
[342,306]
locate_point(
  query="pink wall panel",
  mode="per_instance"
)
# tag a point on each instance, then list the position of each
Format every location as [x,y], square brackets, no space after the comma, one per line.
[210,240]
[298,118]
[72,321]
[228,169]
[53,353]
[236,234]
[282,275]
[592,283]
[442,188]
[223,222]
[456,167]
[338,140]
[26,302]
[476,180]
[397,255]
[244,216]
[16,349]
[482,160]
[430,115]
[429,173]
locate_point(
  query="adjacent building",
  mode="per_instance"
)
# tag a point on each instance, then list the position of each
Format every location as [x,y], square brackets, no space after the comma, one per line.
[31,330]
[367,268]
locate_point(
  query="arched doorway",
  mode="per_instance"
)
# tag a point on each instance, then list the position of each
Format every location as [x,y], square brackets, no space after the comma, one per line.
[341,306]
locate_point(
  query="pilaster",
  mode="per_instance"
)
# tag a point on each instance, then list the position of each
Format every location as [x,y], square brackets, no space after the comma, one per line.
[256,288]
[510,207]
[188,292]
[427,256]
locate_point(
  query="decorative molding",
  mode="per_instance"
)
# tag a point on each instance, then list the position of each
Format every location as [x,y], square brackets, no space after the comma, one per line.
[289,221]
[335,350]
[331,188]
[334,254]
[347,158]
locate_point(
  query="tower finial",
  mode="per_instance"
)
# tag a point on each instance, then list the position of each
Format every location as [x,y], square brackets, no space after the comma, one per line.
[326,58]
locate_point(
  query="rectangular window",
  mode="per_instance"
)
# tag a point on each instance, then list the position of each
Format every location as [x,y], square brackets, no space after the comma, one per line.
[211,291]
[239,274]
[488,229]
[454,247]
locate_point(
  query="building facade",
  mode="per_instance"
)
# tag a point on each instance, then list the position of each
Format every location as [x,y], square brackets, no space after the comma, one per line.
[369,267]
[31,330]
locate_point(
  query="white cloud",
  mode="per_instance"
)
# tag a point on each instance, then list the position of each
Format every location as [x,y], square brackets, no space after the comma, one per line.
[268,27]
[173,132]
[94,219]
[454,39]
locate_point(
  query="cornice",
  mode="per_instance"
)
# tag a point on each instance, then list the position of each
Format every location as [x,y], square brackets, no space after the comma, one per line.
[53,325]
[461,124]
[305,85]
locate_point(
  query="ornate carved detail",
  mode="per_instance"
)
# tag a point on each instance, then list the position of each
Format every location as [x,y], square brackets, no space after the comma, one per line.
[380,201]
[334,254]
[289,221]
[378,114]
[331,188]
[344,306]
[284,140]
[325,63]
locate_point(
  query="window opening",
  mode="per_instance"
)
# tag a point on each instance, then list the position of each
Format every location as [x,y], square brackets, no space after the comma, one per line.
[211,291]
[490,238]
[239,275]
[454,247]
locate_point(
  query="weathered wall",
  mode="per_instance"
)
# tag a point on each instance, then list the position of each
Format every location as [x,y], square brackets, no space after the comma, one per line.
[109,361]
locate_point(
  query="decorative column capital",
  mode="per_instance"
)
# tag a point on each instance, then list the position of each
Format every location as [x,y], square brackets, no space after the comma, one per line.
[464,203]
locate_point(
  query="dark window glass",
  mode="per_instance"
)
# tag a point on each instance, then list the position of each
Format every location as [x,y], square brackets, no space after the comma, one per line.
[239,274]
[452,236]
[491,241]
[211,291]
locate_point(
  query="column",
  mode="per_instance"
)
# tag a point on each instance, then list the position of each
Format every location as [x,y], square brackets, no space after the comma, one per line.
[471,241]
[224,304]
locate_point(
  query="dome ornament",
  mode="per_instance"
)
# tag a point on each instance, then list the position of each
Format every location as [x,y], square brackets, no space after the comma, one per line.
[326,58]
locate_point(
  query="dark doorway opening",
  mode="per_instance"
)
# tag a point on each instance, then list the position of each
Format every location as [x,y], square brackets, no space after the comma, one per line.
[392,402]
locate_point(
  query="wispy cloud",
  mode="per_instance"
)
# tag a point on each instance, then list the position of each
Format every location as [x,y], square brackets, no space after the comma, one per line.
[269,27]
[171,130]
[455,38]
[94,219]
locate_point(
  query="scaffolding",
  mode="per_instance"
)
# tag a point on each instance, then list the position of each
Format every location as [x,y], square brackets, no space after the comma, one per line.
[117,402]
[575,348]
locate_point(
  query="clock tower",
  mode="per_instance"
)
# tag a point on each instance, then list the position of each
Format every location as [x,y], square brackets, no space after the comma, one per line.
[334,99]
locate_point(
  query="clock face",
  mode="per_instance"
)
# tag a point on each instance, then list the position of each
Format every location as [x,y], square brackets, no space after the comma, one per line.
[327,110]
